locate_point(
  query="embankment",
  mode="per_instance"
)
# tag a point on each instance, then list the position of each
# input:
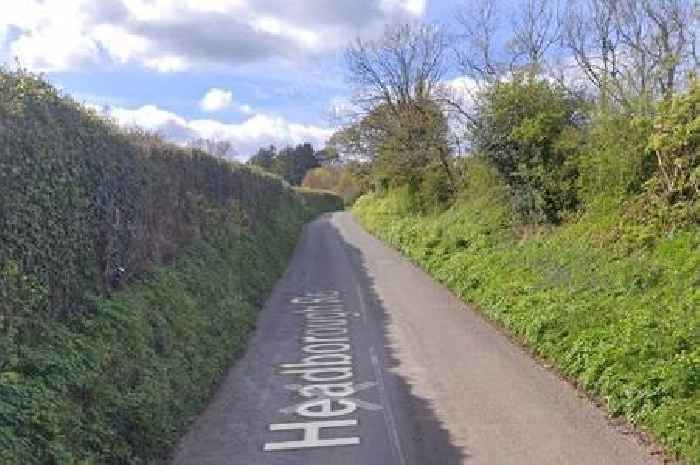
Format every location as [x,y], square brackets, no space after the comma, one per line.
[130,274]
[624,326]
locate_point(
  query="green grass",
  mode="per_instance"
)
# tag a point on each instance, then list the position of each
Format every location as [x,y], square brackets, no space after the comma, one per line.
[118,386]
[625,326]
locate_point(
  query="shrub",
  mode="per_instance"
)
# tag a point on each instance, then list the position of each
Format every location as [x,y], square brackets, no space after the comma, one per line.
[670,199]
[523,128]
[612,160]
[338,179]
[625,326]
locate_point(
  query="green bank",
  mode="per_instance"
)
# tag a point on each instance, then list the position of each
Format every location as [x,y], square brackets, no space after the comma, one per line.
[625,327]
[131,271]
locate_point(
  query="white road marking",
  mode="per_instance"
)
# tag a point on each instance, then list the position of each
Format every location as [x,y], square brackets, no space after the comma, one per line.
[330,362]
[389,421]
[312,438]
[342,391]
[363,307]
[388,416]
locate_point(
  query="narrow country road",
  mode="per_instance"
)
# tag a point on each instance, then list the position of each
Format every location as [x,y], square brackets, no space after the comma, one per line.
[361,358]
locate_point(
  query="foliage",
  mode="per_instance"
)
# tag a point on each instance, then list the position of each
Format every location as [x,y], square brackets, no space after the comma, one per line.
[320,200]
[675,143]
[215,148]
[612,160]
[527,128]
[85,207]
[93,376]
[670,199]
[325,178]
[290,163]
[405,145]
[625,326]
[264,158]
[337,179]
[119,385]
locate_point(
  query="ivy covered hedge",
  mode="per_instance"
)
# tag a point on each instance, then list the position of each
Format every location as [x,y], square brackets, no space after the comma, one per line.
[81,200]
[320,200]
[193,244]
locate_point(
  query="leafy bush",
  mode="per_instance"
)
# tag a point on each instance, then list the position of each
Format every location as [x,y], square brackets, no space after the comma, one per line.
[675,143]
[527,129]
[338,179]
[670,199]
[612,160]
[625,326]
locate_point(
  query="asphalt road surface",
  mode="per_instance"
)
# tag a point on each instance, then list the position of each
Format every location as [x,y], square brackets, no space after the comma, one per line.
[361,358]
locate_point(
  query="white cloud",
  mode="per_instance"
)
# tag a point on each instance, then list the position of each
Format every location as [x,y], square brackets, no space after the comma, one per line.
[167,63]
[246,109]
[279,28]
[219,99]
[148,117]
[216,99]
[120,44]
[257,131]
[175,35]
[49,34]
[413,7]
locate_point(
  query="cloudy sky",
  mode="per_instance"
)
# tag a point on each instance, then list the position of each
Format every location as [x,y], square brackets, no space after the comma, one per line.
[254,72]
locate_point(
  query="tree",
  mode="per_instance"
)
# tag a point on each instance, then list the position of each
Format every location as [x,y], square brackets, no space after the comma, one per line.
[398,79]
[322,178]
[264,158]
[405,66]
[290,163]
[338,179]
[328,156]
[632,48]
[217,148]
[534,31]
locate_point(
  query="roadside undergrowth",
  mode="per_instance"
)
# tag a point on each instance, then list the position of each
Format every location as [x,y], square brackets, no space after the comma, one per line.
[623,323]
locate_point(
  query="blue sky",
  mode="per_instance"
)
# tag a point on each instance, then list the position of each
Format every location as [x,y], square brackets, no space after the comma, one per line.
[253,72]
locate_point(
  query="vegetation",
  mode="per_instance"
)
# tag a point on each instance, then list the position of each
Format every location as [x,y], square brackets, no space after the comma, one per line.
[625,327]
[402,131]
[290,163]
[527,130]
[320,200]
[557,189]
[89,375]
[336,179]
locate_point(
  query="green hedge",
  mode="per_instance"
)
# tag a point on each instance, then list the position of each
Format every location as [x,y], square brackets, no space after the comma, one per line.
[626,327]
[320,200]
[80,199]
[119,385]
[93,376]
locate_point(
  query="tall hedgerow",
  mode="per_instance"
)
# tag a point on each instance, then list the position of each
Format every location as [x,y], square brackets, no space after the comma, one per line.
[85,207]
[192,243]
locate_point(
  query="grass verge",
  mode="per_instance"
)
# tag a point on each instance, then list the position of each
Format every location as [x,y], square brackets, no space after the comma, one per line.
[625,326]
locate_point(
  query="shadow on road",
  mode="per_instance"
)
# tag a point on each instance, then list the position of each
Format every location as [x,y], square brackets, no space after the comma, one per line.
[422,435]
